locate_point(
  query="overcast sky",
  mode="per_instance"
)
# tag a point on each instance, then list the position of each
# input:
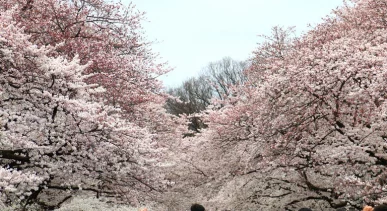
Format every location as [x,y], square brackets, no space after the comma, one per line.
[191,33]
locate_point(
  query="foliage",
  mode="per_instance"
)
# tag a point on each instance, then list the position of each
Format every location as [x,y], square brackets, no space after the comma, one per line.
[311,115]
[80,106]
[81,109]
[215,82]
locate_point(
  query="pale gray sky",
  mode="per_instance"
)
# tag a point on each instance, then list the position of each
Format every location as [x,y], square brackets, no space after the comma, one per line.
[192,33]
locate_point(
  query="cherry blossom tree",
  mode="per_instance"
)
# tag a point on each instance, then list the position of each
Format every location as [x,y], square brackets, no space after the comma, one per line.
[312,114]
[81,108]
[108,35]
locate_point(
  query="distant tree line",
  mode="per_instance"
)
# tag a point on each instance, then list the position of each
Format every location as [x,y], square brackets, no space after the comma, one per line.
[195,94]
